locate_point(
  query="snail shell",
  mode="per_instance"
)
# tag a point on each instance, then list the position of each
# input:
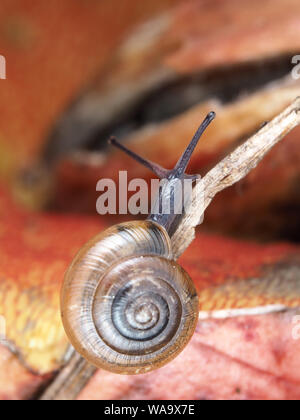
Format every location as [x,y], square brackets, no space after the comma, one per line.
[126,305]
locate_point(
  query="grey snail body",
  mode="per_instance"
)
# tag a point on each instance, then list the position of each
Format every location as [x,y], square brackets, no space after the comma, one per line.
[126,305]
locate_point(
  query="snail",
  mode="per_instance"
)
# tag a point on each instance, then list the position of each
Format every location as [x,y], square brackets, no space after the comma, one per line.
[126,305]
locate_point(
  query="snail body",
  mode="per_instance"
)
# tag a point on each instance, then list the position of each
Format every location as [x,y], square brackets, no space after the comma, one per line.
[126,305]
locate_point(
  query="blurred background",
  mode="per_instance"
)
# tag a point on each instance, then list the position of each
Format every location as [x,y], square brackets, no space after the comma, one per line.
[78,71]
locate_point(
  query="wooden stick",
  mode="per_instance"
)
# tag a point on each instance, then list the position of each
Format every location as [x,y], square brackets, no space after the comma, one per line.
[70,380]
[232,169]
[77,372]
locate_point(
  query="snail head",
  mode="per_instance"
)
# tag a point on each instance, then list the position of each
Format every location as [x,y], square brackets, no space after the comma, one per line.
[171,177]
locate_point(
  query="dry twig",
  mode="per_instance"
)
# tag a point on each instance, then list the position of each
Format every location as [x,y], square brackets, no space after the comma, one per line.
[232,169]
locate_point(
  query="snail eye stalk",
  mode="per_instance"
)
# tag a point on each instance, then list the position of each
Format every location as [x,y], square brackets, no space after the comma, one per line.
[154,167]
[181,165]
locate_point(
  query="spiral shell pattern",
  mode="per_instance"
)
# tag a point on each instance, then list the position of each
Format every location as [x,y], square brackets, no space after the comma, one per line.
[126,305]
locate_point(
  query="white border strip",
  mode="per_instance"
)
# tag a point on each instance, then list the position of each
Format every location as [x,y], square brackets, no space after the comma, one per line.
[2,67]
